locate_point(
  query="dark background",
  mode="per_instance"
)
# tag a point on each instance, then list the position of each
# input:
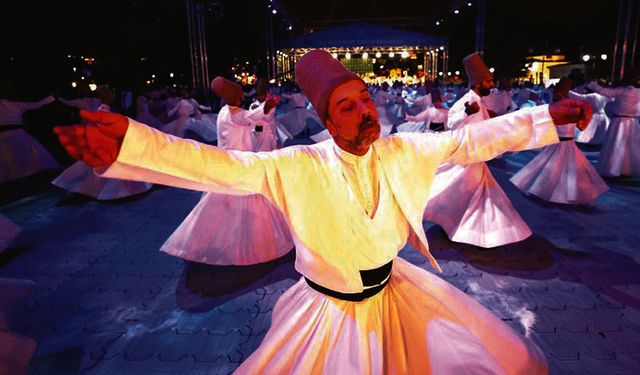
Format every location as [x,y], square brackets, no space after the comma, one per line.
[38,37]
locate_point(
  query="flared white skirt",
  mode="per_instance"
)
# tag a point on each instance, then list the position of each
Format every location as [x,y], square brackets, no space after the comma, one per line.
[418,324]
[21,155]
[469,204]
[561,173]
[80,178]
[620,153]
[231,230]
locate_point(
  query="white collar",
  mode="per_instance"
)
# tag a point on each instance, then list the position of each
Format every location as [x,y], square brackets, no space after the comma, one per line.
[352,159]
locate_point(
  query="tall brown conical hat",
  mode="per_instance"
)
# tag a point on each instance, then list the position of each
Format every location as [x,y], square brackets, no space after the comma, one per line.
[318,74]
[227,90]
[477,70]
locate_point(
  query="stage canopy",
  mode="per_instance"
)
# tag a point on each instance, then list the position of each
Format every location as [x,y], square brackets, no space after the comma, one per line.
[374,52]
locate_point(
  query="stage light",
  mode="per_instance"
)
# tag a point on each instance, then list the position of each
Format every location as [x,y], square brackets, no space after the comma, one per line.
[378,55]
[603,56]
[391,54]
[586,58]
[404,54]
[153,76]
[171,75]
[456,11]
[274,11]
[335,55]
[347,55]
[457,72]
[469,4]
[437,23]
[74,68]
[492,70]
[93,86]
[74,85]
[365,55]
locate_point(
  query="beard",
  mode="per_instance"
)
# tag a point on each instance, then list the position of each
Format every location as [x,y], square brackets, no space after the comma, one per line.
[368,131]
[484,91]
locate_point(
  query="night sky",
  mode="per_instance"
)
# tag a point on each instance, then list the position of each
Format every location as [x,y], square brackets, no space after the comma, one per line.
[38,36]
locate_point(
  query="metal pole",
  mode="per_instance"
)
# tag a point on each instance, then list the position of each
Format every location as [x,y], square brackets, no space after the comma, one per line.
[424,64]
[268,43]
[626,39]
[203,57]
[206,58]
[191,42]
[635,38]
[617,42]
[481,20]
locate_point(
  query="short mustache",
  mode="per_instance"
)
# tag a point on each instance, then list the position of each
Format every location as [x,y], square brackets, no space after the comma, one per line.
[367,122]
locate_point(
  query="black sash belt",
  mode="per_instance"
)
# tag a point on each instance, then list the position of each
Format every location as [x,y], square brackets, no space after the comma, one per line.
[436,126]
[565,139]
[377,279]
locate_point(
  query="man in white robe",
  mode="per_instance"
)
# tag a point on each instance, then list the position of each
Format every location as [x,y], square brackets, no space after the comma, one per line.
[466,200]
[620,153]
[358,308]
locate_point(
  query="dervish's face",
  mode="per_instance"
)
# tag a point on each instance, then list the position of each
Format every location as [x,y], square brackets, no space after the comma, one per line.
[352,117]
[484,87]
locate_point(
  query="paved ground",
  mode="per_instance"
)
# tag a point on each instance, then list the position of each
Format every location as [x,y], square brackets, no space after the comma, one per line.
[109,303]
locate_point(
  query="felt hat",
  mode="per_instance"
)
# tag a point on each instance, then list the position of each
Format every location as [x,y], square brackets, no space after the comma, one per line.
[227,90]
[477,70]
[318,74]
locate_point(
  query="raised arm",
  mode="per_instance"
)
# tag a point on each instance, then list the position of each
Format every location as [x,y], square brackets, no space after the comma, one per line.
[606,91]
[517,131]
[122,148]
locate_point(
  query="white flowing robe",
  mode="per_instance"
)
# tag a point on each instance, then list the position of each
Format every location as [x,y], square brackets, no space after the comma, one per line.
[398,330]
[620,153]
[225,229]
[466,200]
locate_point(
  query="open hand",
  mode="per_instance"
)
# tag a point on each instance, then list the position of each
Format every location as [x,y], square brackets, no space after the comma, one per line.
[97,143]
[568,111]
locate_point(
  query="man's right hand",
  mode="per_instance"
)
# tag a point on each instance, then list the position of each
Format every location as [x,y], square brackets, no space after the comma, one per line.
[97,143]
[471,108]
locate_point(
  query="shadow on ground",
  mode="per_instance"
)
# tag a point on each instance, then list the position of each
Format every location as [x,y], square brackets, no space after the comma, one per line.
[537,258]
[203,287]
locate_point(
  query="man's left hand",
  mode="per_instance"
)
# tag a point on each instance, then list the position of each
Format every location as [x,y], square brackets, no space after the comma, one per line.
[568,111]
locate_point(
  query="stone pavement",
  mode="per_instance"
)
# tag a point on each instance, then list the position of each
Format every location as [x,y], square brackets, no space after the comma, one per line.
[109,303]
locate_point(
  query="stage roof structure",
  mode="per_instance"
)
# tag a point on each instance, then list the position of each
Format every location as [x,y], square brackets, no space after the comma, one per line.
[367,49]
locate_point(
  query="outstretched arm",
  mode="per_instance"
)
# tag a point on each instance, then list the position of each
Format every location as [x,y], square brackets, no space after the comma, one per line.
[606,91]
[122,148]
[517,131]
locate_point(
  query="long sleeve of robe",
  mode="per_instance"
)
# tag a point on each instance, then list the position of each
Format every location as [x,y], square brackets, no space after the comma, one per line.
[314,213]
